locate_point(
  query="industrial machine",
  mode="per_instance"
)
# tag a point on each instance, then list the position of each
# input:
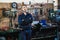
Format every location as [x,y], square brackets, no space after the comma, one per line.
[48,32]
[5,31]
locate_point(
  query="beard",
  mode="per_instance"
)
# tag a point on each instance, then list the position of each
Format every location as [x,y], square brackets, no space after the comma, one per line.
[24,10]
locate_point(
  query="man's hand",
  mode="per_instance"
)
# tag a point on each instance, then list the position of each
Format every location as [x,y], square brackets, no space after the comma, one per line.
[19,29]
[22,19]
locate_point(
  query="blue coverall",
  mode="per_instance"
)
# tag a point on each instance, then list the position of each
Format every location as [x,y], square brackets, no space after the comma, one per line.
[25,23]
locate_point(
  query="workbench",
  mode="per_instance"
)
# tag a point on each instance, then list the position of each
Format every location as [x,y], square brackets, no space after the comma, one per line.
[10,34]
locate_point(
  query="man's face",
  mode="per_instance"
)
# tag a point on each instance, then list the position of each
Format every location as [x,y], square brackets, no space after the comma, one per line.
[24,8]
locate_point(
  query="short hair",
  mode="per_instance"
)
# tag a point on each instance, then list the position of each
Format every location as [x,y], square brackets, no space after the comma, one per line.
[23,5]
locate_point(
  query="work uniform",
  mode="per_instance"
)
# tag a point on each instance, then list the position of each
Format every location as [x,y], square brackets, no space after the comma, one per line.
[25,23]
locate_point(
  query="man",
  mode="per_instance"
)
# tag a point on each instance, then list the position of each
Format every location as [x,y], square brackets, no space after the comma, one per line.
[24,20]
